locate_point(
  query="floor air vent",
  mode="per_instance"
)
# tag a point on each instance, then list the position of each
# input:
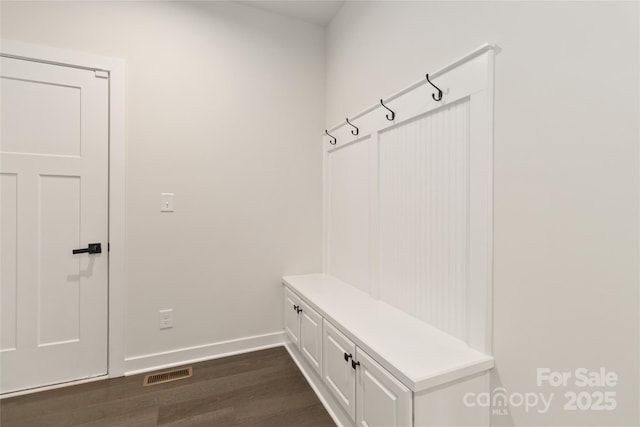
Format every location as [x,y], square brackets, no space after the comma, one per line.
[167,376]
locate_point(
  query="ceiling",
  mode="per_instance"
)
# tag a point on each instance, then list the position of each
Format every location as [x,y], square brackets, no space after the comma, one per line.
[318,12]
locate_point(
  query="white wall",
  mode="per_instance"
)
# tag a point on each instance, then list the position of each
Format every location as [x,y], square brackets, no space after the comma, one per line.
[566,173]
[224,106]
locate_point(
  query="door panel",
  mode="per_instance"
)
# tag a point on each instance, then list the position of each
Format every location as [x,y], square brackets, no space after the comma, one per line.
[338,374]
[311,337]
[25,103]
[59,281]
[383,401]
[54,162]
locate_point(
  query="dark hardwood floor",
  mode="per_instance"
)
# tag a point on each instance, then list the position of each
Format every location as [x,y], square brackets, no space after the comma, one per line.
[263,388]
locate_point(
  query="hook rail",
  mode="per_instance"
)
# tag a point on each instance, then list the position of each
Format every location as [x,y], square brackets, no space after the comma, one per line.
[486,47]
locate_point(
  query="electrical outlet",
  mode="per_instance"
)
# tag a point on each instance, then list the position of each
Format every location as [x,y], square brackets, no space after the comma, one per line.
[166,318]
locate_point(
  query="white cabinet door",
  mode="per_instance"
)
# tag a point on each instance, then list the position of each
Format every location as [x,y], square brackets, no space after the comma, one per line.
[291,319]
[311,336]
[338,375]
[382,400]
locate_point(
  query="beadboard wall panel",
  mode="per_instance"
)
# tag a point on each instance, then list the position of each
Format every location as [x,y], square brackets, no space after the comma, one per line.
[424,217]
[348,213]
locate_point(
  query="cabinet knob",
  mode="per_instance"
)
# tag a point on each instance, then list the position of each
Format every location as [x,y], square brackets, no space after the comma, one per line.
[298,309]
[295,307]
[347,357]
[354,364]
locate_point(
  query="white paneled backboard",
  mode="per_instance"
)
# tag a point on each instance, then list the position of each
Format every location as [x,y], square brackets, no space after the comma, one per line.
[408,203]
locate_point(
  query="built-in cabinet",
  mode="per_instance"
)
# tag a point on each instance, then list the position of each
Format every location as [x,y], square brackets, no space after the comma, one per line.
[292,317]
[381,400]
[337,354]
[304,327]
[367,392]
[396,330]
[373,365]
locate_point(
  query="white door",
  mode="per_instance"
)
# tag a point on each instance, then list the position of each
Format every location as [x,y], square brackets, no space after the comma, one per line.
[291,318]
[337,371]
[383,401]
[311,336]
[54,181]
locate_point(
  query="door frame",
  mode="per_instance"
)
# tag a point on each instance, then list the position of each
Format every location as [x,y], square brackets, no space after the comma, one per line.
[117,185]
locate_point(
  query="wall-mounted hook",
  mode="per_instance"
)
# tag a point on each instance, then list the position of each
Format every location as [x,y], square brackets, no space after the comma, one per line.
[393,115]
[439,97]
[353,132]
[333,139]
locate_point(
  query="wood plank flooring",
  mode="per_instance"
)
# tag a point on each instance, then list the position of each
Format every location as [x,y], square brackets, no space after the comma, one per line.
[263,388]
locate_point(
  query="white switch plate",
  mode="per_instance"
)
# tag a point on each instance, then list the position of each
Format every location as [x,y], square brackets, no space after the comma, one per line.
[166,318]
[166,202]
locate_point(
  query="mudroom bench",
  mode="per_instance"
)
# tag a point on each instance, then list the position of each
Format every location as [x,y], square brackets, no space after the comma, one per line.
[372,364]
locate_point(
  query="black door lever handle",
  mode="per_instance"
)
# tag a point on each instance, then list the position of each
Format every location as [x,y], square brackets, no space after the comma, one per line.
[94,248]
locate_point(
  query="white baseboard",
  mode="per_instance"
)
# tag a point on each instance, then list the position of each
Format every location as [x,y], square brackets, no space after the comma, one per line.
[152,362]
[52,387]
[333,408]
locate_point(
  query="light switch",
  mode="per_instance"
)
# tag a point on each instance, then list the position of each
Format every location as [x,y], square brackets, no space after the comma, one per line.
[166,200]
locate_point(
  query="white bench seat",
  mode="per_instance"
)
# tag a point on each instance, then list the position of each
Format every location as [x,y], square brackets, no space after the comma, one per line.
[419,355]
